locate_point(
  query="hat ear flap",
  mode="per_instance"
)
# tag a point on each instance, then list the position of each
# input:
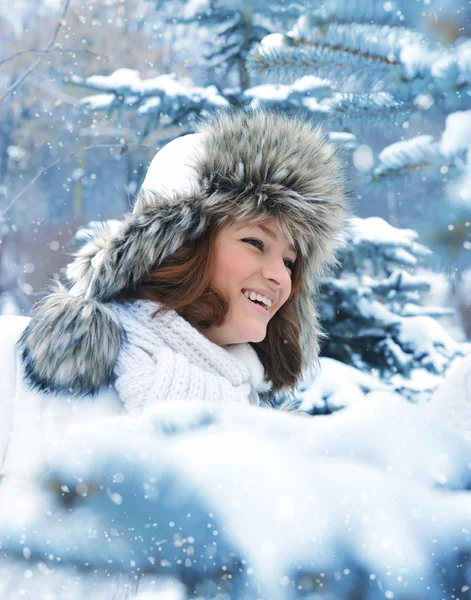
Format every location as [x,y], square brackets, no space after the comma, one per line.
[70,345]
[143,243]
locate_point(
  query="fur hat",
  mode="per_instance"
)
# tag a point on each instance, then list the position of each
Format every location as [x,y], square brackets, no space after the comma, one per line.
[240,164]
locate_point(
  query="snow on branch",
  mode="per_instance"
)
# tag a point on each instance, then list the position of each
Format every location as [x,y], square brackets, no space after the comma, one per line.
[376,232]
[420,152]
[311,93]
[163,98]
[400,157]
[456,137]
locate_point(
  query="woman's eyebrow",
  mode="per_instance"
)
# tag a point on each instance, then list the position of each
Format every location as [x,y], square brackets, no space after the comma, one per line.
[273,236]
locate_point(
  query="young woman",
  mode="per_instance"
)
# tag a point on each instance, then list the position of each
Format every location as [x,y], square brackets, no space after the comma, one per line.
[207,291]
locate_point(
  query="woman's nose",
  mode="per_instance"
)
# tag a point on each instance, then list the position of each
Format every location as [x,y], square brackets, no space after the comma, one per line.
[277,272]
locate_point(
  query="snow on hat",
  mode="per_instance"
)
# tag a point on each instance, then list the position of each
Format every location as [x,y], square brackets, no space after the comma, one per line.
[172,169]
[239,165]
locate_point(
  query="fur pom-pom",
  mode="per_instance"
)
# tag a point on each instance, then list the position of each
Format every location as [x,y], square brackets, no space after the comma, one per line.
[70,345]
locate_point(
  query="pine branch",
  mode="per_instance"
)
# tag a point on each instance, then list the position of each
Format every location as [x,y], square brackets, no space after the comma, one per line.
[232,28]
[412,310]
[399,281]
[381,42]
[223,54]
[235,35]
[371,106]
[395,56]
[362,11]
[354,46]
[289,53]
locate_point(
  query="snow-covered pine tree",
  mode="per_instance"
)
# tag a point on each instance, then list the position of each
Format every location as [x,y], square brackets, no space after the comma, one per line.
[375,319]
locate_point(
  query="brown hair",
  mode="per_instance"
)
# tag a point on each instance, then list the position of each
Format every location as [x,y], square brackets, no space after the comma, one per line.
[182,284]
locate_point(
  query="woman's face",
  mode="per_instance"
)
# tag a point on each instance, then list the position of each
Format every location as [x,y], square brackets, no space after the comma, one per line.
[250,258]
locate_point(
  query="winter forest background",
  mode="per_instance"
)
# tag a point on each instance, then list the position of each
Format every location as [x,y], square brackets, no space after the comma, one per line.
[90,89]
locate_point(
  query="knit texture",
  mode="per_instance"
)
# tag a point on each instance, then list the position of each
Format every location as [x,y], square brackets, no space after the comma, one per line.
[165,358]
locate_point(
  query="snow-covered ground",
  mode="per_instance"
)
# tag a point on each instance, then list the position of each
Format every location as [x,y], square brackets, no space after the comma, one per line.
[269,504]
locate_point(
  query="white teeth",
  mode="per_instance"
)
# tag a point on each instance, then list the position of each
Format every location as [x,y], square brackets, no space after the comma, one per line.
[259,297]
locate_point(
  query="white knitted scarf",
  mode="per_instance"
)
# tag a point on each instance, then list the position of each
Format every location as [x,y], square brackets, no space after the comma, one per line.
[164,358]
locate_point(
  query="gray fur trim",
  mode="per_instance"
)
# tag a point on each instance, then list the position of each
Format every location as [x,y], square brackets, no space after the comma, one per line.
[70,345]
[143,242]
[261,162]
[252,164]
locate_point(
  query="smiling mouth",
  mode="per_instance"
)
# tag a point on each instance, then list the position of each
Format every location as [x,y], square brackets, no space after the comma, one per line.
[260,307]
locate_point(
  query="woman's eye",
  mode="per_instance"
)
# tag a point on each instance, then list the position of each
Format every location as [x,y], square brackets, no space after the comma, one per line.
[259,242]
[288,263]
